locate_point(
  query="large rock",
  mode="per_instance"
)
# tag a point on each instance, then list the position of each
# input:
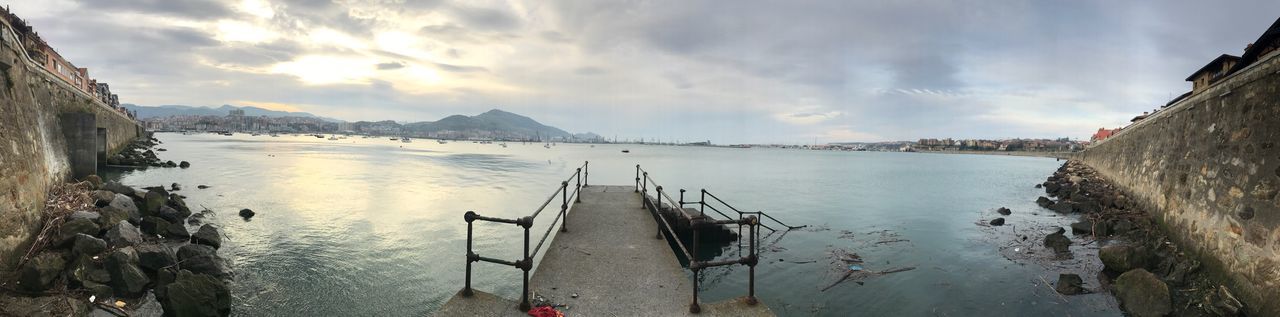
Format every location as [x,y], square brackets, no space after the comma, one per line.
[154,225]
[1070,284]
[201,259]
[123,234]
[41,271]
[997,222]
[1123,257]
[84,214]
[127,279]
[118,188]
[207,235]
[1044,202]
[1084,226]
[94,180]
[247,213]
[1062,207]
[87,245]
[1086,206]
[173,215]
[151,203]
[102,197]
[120,208]
[1058,242]
[195,295]
[89,272]
[1142,294]
[67,233]
[1004,211]
[155,256]
[177,231]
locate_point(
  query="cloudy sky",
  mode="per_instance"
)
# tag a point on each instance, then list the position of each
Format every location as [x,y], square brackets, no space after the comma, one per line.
[728,71]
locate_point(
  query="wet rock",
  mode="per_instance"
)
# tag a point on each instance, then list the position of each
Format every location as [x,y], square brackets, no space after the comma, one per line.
[1051,187]
[173,215]
[39,273]
[87,245]
[1039,185]
[1044,202]
[246,213]
[1070,284]
[1082,227]
[148,306]
[123,234]
[82,214]
[154,256]
[1004,211]
[1058,242]
[67,233]
[1142,294]
[1121,226]
[122,202]
[997,222]
[202,186]
[1086,206]
[184,164]
[177,230]
[1123,257]
[126,278]
[196,295]
[175,187]
[207,235]
[179,203]
[98,290]
[201,259]
[1223,303]
[88,272]
[154,225]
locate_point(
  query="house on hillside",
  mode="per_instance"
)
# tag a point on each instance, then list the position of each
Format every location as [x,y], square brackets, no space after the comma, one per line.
[1265,46]
[1209,74]
[1103,134]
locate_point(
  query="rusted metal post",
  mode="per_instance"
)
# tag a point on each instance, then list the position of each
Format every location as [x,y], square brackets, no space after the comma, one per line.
[586,171]
[577,197]
[682,198]
[657,212]
[644,187]
[702,203]
[695,266]
[466,288]
[637,178]
[751,261]
[564,205]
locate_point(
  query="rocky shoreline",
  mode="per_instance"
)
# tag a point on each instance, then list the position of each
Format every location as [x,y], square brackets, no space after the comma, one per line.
[1142,267]
[107,249]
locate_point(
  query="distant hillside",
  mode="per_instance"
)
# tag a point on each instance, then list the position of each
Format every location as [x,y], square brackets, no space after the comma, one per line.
[145,112]
[494,121]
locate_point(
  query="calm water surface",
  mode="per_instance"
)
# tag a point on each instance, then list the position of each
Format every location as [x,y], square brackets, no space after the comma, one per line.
[361,227]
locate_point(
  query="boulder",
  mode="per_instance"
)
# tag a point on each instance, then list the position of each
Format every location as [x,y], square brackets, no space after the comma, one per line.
[118,188]
[1044,202]
[207,235]
[246,213]
[201,259]
[67,233]
[124,203]
[123,234]
[1051,188]
[39,273]
[997,222]
[154,256]
[98,290]
[82,214]
[1058,242]
[1142,294]
[1070,284]
[178,203]
[154,225]
[94,180]
[87,245]
[175,187]
[184,164]
[126,278]
[1083,226]
[195,295]
[1004,211]
[177,230]
[87,272]
[1123,257]
[1062,207]
[153,200]
[1086,206]
[173,215]
[1039,185]
[102,197]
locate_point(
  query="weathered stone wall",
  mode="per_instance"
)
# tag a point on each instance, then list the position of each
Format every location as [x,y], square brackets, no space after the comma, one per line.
[33,150]
[1208,169]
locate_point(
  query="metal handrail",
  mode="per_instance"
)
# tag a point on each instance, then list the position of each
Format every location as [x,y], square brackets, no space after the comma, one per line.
[701,221]
[525,263]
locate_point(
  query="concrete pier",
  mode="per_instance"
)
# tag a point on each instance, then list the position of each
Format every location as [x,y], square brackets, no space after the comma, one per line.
[612,260]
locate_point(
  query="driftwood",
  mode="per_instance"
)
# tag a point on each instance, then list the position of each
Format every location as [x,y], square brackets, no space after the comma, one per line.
[864,274]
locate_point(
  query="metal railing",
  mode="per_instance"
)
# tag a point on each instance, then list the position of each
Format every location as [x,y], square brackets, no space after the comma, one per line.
[525,263]
[749,219]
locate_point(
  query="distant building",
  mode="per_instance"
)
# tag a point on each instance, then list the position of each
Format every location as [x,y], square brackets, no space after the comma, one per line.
[1217,69]
[1102,134]
[1265,46]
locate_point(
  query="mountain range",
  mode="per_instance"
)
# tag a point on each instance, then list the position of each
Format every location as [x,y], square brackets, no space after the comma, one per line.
[145,112]
[491,121]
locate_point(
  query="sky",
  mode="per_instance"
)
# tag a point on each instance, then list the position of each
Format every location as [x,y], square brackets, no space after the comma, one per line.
[744,71]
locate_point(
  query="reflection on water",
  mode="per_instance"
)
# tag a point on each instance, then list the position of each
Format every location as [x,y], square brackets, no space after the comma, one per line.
[374,227]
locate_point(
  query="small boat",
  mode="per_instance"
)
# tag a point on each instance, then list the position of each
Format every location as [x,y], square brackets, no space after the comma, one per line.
[405,140]
[441,142]
[256,134]
[626,151]
[548,145]
[318,136]
[504,144]
[395,139]
[227,133]
[332,137]
[275,135]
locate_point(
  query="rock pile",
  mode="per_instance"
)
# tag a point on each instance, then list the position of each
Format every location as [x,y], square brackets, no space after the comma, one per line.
[140,154]
[1151,275]
[128,245]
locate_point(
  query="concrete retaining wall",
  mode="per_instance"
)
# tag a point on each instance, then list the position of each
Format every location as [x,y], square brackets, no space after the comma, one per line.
[33,146]
[1208,169]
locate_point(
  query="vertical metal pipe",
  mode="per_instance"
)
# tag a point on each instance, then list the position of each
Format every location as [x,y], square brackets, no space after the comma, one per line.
[702,203]
[751,264]
[564,205]
[637,178]
[586,170]
[693,263]
[578,197]
[466,289]
[524,295]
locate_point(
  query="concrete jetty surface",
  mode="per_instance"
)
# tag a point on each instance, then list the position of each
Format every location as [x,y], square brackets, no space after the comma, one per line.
[611,259]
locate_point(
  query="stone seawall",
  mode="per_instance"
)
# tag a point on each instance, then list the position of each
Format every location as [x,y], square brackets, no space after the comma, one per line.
[1208,169]
[33,147]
